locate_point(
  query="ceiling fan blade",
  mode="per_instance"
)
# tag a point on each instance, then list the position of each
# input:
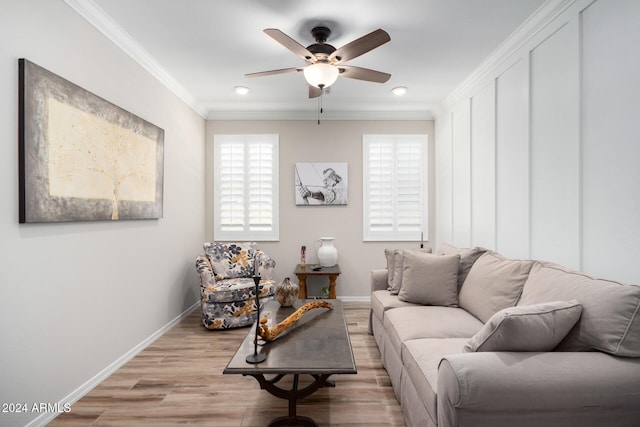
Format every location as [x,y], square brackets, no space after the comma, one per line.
[359,46]
[314,92]
[290,44]
[363,74]
[273,72]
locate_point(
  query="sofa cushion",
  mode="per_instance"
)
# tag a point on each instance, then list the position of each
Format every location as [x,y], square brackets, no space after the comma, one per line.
[427,321]
[610,320]
[382,300]
[395,264]
[238,289]
[493,283]
[421,358]
[468,256]
[430,279]
[538,327]
[231,260]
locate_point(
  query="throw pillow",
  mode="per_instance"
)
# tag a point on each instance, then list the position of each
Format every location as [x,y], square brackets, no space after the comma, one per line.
[397,266]
[538,327]
[390,255]
[430,279]
[468,256]
[493,283]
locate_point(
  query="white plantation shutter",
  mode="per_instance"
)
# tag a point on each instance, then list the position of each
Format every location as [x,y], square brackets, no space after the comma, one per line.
[246,187]
[395,187]
[380,187]
[260,177]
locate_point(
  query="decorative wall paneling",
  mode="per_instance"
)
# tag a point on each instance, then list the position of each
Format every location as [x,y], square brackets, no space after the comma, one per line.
[512,163]
[555,149]
[610,134]
[443,178]
[483,164]
[549,129]
[461,165]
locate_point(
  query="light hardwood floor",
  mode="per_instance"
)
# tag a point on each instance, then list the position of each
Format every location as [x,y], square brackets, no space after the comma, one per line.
[178,380]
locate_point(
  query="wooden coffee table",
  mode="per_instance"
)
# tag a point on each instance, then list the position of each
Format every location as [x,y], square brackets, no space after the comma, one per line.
[317,345]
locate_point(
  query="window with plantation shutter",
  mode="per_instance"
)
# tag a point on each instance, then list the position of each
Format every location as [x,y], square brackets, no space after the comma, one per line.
[394,187]
[246,187]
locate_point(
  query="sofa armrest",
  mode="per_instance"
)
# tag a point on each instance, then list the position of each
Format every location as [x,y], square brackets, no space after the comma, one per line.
[561,388]
[379,279]
[378,283]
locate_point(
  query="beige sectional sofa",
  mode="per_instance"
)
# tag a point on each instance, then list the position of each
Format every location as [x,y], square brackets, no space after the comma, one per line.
[470,338]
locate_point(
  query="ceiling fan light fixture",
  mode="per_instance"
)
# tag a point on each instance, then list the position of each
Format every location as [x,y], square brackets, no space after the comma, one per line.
[241,90]
[399,90]
[321,74]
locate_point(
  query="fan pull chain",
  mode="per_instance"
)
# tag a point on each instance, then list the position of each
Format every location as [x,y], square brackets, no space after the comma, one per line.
[320,109]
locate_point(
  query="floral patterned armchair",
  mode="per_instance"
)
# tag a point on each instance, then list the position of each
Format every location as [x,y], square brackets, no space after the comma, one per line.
[227,289]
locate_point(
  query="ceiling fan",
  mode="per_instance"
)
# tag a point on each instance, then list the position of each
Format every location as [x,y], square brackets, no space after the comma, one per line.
[325,62]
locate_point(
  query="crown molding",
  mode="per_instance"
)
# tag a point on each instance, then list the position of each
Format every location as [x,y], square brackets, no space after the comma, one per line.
[90,11]
[97,17]
[313,115]
[545,14]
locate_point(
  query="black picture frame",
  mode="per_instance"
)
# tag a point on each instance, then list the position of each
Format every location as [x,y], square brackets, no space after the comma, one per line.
[322,184]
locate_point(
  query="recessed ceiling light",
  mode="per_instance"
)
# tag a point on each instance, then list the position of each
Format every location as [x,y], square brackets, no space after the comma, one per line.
[241,90]
[399,91]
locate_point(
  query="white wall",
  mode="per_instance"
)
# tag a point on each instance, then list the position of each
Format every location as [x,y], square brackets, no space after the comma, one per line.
[331,141]
[75,298]
[551,125]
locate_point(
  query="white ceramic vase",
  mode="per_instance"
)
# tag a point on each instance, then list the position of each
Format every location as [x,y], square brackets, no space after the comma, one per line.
[327,253]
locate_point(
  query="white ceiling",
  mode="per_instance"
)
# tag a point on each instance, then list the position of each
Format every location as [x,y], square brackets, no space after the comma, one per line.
[202,48]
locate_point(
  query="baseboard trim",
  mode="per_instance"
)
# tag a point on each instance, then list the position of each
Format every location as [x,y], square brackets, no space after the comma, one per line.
[355,299]
[74,396]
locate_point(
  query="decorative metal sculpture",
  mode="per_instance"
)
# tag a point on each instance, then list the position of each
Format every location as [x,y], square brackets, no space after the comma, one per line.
[256,357]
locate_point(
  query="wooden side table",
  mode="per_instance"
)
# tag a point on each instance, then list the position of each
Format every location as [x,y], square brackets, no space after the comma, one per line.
[331,272]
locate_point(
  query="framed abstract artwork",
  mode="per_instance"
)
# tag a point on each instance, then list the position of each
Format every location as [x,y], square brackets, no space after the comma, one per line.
[321,184]
[81,157]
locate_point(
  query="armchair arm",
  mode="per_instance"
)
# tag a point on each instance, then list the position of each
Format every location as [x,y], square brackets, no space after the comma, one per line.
[524,389]
[205,271]
[379,279]
[265,264]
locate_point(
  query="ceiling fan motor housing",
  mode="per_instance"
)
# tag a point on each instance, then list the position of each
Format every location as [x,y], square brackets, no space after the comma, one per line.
[320,34]
[320,49]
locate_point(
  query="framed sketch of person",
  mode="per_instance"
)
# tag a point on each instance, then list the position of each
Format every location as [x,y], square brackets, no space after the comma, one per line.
[321,184]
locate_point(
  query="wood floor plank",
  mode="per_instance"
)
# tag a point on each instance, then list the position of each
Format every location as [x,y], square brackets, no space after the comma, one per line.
[178,380]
